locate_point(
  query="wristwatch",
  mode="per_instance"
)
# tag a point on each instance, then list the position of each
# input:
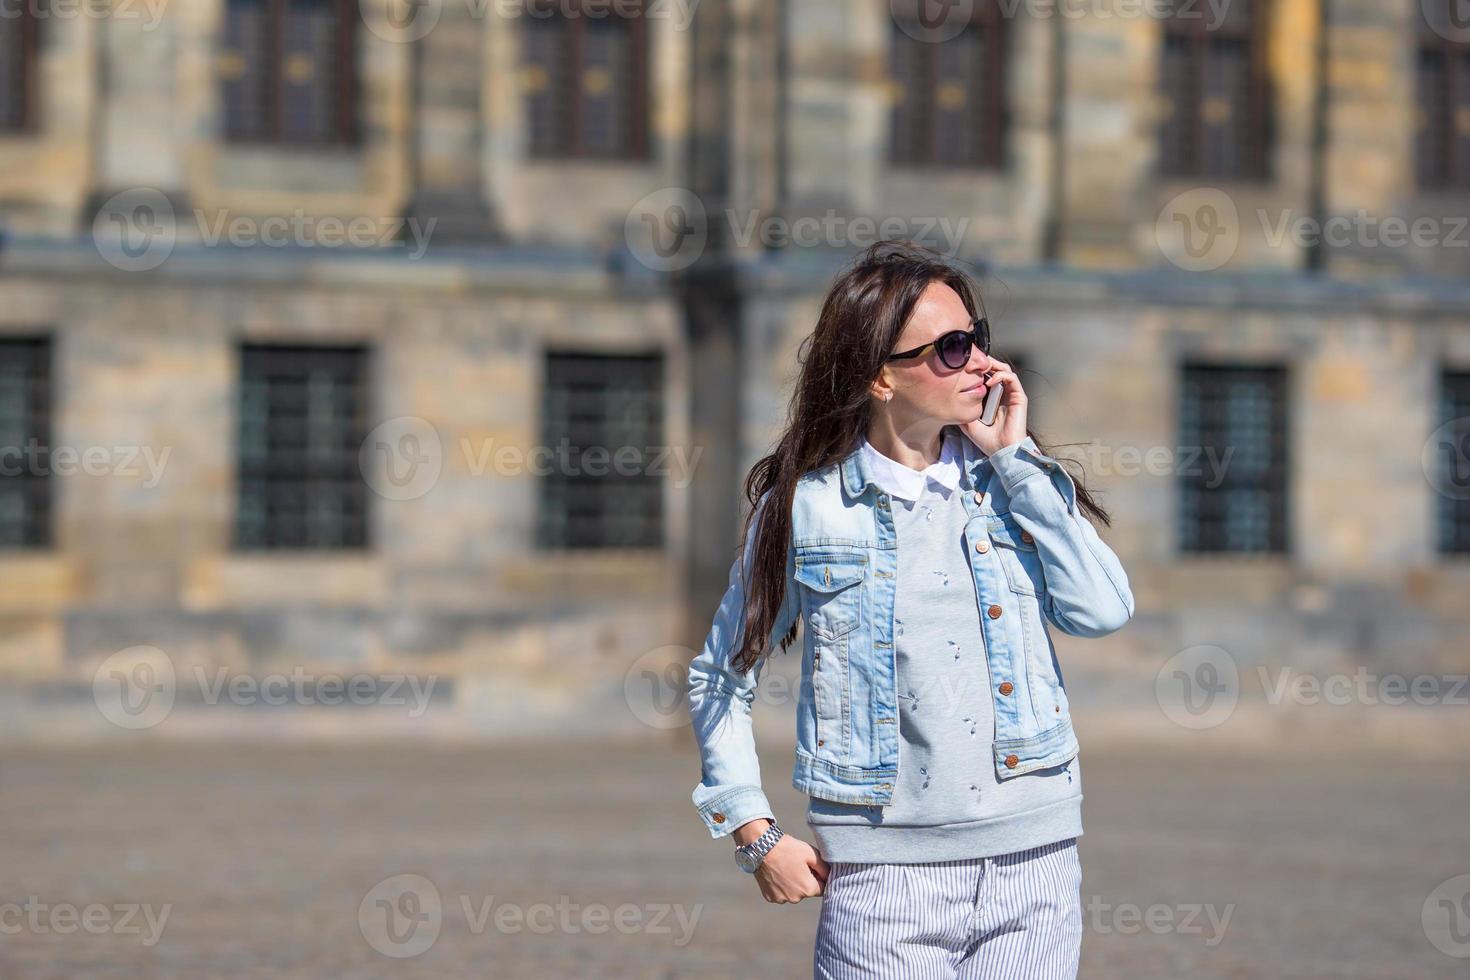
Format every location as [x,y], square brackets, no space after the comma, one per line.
[749,856]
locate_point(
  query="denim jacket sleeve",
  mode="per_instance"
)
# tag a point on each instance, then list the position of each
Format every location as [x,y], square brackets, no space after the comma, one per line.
[1087,591]
[729,791]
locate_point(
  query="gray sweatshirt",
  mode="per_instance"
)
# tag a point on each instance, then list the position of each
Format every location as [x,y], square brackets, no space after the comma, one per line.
[947,802]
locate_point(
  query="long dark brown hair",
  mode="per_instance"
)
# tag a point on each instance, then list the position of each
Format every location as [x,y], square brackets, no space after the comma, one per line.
[831,405]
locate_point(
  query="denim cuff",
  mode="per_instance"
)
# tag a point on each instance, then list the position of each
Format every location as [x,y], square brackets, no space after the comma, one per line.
[734,806]
[1024,460]
[1020,461]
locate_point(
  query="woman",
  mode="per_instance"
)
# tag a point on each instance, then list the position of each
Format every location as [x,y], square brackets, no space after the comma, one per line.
[927,555]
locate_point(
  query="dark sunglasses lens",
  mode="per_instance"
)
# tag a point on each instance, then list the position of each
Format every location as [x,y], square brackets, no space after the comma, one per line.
[982,334]
[954,349]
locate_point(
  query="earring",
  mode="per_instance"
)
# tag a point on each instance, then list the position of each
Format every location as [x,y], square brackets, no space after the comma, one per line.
[888,396]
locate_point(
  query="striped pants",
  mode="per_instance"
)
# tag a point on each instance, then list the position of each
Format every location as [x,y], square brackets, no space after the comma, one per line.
[1011,916]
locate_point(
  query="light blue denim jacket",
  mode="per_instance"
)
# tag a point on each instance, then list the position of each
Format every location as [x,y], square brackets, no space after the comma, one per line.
[1036,561]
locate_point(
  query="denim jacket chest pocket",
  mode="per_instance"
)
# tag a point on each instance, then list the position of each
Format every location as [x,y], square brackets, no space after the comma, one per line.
[831,591]
[831,586]
[1019,558]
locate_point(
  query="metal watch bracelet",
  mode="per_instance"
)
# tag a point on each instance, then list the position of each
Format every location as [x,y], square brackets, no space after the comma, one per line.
[749,856]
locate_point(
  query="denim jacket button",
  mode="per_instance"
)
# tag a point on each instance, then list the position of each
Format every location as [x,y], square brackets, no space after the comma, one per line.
[1012,762]
[994,612]
[718,817]
[1007,687]
[982,546]
[979,497]
[1026,537]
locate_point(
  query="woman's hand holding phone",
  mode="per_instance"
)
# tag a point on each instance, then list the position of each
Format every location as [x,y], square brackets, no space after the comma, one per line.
[1003,417]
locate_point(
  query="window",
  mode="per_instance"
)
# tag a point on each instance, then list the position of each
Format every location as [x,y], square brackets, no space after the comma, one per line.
[17,68]
[1454,460]
[302,421]
[1213,82]
[1442,123]
[602,421]
[584,78]
[1232,459]
[25,442]
[288,71]
[948,95]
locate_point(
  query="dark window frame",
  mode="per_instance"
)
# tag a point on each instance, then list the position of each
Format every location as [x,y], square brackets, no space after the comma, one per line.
[554,528]
[28,120]
[569,141]
[346,128]
[37,354]
[989,94]
[275,466]
[1190,26]
[1452,514]
[1441,150]
[1201,527]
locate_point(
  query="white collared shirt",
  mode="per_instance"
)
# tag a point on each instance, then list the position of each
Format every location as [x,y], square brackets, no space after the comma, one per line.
[909,484]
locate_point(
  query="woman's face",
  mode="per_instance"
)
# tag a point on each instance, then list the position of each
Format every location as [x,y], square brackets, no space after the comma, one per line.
[923,387]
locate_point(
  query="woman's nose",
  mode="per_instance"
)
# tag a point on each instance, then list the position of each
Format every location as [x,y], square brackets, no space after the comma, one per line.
[978,358]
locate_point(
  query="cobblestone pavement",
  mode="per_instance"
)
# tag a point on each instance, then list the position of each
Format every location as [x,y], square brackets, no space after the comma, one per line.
[586,860]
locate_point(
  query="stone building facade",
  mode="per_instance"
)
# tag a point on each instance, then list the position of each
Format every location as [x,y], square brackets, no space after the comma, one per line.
[1166,215]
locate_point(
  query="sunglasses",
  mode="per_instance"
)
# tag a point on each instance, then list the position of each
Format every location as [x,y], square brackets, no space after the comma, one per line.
[954,347]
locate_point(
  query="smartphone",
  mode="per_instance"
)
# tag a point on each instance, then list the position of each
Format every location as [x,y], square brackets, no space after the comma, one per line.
[992,402]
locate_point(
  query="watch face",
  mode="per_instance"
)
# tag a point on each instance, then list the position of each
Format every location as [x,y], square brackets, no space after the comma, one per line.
[746,861]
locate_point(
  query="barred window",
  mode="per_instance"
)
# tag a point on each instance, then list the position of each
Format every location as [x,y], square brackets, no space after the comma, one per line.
[948,96]
[288,72]
[584,76]
[1233,459]
[602,421]
[18,68]
[1215,91]
[302,420]
[1442,119]
[1454,462]
[25,442]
